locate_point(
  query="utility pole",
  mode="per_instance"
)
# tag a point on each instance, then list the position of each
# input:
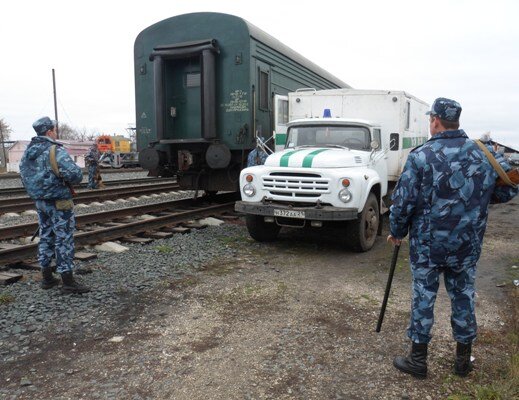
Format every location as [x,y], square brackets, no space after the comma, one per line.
[4,160]
[55,103]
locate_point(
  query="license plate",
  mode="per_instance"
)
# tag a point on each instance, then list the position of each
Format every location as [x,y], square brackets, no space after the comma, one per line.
[289,213]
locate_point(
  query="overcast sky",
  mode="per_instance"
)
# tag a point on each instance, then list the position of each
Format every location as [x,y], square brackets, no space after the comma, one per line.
[465,50]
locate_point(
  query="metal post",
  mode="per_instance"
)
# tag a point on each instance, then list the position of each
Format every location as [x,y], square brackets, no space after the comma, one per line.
[55,103]
[4,161]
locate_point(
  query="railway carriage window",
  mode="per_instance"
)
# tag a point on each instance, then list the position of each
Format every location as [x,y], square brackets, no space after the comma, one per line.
[263,90]
[282,112]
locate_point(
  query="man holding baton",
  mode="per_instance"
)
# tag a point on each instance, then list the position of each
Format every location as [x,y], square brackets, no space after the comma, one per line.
[441,200]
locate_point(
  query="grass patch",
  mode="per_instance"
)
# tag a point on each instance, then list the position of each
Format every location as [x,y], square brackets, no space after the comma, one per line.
[506,386]
[221,267]
[235,240]
[6,298]
[164,249]
[282,287]
[250,289]
[459,397]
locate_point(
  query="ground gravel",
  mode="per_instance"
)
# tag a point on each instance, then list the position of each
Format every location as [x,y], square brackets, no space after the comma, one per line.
[215,315]
[33,311]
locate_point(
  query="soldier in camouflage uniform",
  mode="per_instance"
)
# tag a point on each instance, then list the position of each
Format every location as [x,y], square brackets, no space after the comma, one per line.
[54,204]
[441,200]
[92,159]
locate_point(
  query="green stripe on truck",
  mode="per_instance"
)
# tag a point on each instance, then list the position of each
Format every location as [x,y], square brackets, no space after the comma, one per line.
[307,162]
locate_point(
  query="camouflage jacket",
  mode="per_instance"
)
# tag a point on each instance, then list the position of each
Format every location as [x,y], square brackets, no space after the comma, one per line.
[36,172]
[92,157]
[442,200]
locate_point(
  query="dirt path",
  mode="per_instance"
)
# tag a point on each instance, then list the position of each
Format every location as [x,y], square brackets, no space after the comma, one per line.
[289,320]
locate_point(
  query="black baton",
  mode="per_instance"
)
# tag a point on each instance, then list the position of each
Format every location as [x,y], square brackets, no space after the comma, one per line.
[388,287]
[35,234]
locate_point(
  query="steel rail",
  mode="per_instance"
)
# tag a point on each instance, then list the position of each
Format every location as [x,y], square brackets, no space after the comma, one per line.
[14,231]
[24,252]
[19,204]
[14,175]
[83,185]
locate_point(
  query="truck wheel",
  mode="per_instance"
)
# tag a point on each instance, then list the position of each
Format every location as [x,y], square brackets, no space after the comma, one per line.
[362,232]
[260,230]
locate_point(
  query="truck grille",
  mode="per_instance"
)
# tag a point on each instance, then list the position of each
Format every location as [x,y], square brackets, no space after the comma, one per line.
[295,185]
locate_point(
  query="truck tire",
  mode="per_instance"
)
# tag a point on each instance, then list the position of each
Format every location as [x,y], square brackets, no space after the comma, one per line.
[260,230]
[361,233]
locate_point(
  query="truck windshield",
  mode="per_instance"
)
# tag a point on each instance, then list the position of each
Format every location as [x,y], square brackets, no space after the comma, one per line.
[353,137]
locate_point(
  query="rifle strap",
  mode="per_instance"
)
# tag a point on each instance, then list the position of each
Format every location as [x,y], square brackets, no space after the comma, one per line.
[499,169]
[53,162]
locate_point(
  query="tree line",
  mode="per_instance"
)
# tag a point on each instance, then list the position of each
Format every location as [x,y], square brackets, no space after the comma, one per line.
[66,132]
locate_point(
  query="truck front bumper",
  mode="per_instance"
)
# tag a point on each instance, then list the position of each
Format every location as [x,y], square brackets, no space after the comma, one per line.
[324,213]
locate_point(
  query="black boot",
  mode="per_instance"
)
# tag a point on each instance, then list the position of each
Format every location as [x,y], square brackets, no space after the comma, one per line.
[70,285]
[415,363]
[463,365]
[48,280]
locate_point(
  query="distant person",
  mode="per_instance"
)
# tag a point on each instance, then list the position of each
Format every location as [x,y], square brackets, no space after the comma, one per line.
[258,155]
[47,172]
[441,200]
[92,161]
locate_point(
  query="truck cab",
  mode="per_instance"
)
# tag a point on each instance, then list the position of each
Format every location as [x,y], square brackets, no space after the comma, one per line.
[325,174]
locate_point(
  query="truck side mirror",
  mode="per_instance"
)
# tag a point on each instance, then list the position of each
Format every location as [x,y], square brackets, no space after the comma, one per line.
[394,141]
[374,145]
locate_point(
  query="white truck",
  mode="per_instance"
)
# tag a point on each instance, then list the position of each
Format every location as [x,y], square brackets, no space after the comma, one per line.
[343,150]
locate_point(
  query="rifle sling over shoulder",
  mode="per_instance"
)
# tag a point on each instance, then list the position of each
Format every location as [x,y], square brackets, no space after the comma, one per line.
[499,169]
[53,162]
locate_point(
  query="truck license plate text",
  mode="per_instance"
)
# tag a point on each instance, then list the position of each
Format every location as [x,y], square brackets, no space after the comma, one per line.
[289,213]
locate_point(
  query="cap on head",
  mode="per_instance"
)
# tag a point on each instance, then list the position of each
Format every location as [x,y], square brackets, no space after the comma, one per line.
[445,109]
[42,125]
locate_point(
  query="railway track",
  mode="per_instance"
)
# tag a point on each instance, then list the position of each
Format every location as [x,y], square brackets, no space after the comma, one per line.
[14,175]
[20,204]
[110,225]
[83,185]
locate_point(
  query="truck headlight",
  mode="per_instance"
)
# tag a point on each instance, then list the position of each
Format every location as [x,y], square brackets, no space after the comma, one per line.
[249,190]
[344,195]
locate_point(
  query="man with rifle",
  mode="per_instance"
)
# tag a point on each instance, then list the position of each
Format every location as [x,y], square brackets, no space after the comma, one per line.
[48,173]
[92,161]
[441,200]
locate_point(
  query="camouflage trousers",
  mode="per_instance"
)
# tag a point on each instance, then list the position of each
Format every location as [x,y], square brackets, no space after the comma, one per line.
[92,172]
[56,236]
[461,290]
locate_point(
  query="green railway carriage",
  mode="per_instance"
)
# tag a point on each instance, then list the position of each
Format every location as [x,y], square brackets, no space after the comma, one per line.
[205,85]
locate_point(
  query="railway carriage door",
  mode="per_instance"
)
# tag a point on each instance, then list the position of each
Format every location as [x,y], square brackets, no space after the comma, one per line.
[280,121]
[263,123]
[183,99]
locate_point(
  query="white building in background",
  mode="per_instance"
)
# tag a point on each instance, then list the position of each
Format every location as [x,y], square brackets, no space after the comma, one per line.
[76,150]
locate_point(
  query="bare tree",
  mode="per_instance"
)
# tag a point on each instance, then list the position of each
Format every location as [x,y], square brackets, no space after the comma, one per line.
[66,132]
[5,130]
[85,135]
